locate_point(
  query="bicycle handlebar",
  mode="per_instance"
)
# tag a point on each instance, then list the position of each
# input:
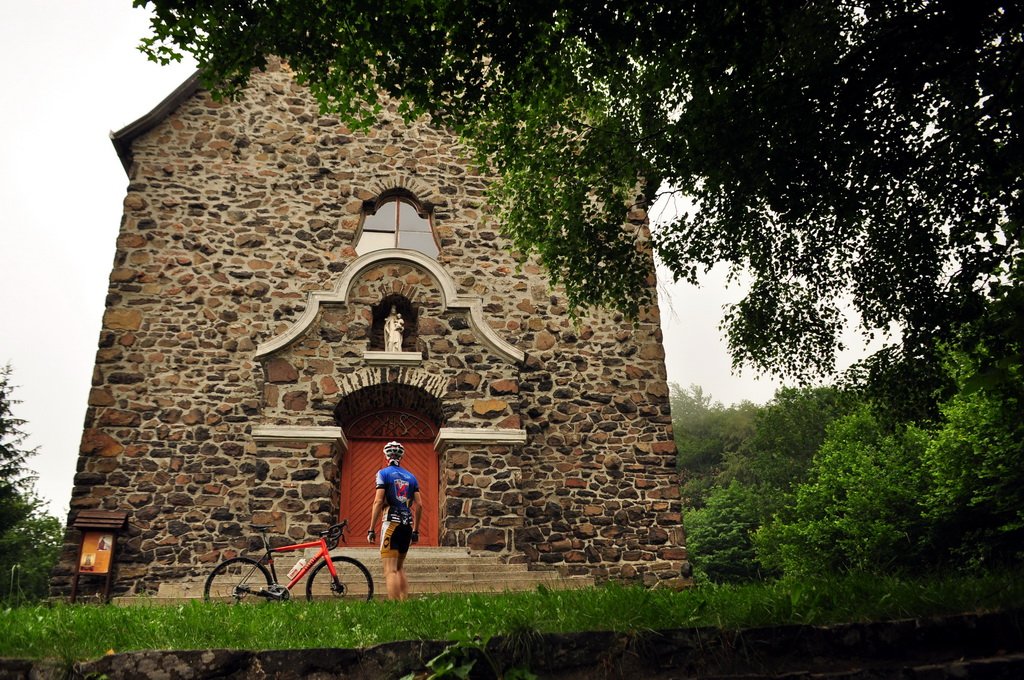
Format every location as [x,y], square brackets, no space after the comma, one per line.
[334,533]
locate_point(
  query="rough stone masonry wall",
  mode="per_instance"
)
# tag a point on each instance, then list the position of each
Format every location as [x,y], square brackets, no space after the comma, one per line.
[599,468]
[235,212]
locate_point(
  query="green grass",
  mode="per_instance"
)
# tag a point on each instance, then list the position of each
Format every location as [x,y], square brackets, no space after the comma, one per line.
[77,632]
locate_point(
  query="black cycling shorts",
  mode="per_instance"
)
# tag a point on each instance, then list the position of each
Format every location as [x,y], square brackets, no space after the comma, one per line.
[395,539]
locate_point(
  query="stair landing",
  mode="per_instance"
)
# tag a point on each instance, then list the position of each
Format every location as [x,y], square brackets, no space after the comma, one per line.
[430,571]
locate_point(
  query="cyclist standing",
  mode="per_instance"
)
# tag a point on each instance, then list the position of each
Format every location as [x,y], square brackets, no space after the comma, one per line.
[398,491]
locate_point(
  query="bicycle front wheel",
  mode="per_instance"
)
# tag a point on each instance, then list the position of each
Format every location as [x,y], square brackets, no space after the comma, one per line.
[235,580]
[354,581]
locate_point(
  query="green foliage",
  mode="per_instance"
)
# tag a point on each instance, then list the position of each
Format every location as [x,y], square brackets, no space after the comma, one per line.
[458,660]
[741,465]
[944,493]
[719,535]
[833,151]
[860,509]
[28,552]
[15,478]
[832,481]
[706,433]
[787,432]
[995,342]
[455,661]
[30,539]
[975,461]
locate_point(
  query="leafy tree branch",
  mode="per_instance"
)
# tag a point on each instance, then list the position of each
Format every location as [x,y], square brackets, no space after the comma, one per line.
[835,151]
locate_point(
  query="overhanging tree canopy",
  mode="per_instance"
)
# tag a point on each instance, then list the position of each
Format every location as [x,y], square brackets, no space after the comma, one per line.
[870,150]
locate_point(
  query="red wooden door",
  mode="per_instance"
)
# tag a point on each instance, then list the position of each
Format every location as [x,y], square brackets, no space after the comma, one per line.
[365,455]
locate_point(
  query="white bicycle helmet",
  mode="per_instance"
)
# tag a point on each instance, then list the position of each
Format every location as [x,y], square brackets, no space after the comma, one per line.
[394,451]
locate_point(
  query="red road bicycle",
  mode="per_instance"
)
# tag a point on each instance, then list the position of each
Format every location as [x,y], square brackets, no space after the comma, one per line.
[238,578]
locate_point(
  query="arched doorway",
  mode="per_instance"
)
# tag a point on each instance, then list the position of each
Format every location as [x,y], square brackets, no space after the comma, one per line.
[366,436]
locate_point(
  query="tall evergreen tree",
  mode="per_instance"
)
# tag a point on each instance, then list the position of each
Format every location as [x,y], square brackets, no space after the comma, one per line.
[16,481]
[30,539]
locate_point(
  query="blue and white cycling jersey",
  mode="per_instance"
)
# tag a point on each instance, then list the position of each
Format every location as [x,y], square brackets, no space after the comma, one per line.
[399,486]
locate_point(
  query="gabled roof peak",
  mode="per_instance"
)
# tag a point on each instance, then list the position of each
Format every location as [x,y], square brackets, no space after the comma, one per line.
[122,139]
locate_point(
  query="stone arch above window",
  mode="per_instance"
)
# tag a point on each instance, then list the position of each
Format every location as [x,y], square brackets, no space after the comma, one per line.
[396,220]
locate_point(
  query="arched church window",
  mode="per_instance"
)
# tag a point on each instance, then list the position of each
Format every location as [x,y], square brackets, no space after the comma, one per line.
[396,222]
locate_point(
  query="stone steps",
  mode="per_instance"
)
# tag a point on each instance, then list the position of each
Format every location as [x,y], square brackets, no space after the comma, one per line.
[430,571]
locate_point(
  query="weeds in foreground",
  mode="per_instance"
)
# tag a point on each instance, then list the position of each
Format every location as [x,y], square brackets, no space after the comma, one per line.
[459,659]
[75,632]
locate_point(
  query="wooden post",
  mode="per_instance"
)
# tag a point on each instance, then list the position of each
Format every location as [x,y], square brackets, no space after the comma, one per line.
[97,546]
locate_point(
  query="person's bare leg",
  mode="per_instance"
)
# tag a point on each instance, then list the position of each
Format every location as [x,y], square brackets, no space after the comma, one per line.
[392,577]
[403,582]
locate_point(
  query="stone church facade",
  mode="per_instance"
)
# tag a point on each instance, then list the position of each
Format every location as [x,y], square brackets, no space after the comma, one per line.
[242,373]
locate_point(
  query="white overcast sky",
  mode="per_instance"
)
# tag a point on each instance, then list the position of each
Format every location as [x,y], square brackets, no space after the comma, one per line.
[70,73]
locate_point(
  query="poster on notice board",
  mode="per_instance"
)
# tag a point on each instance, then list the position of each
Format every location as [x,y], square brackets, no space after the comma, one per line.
[96,549]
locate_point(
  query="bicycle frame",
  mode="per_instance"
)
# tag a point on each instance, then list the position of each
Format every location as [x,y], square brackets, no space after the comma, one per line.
[324,553]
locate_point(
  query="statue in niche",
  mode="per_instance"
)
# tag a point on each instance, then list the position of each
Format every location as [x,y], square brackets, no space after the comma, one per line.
[394,325]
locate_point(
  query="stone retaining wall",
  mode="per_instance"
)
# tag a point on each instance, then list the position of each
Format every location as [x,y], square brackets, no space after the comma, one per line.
[987,646]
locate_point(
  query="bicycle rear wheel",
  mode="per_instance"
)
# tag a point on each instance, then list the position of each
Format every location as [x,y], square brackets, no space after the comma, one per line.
[354,581]
[235,580]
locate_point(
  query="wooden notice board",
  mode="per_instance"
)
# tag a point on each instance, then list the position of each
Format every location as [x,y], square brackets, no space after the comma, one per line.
[98,546]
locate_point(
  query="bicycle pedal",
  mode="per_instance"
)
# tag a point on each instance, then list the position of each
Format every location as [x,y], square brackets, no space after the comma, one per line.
[278,592]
